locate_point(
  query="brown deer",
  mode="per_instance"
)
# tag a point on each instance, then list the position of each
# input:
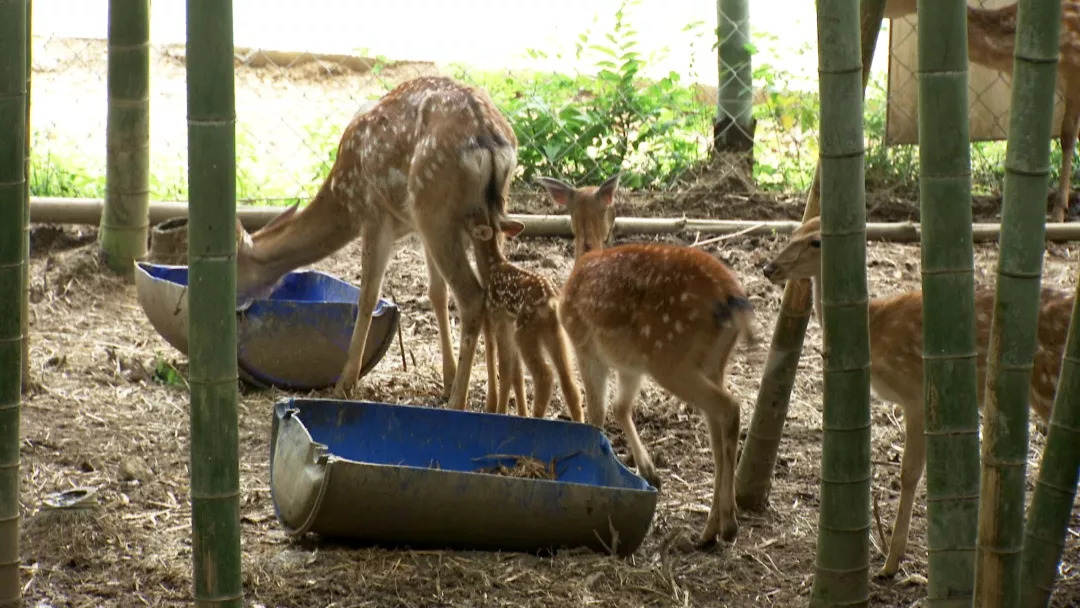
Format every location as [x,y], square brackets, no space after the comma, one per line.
[674,313]
[991,43]
[896,356]
[431,153]
[521,323]
[592,210]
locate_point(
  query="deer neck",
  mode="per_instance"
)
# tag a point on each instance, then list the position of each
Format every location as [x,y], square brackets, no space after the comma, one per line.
[489,258]
[313,233]
[815,290]
[992,36]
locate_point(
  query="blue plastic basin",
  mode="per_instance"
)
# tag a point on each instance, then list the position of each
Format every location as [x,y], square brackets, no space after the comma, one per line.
[420,476]
[297,338]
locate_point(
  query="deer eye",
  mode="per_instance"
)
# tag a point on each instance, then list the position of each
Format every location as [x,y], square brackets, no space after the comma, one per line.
[816,243]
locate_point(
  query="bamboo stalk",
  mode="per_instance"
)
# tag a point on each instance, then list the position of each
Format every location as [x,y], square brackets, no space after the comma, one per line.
[753,477]
[215,473]
[950,384]
[13,126]
[1055,489]
[842,565]
[26,210]
[1016,306]
[127,133]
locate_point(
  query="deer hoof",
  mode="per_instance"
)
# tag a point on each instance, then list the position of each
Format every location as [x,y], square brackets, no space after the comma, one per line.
[886,572]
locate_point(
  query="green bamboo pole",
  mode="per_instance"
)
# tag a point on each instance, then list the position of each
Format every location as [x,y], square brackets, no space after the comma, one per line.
[1055,489]
[753,476]
[215,472]
[13,218]
[1016,306]
[125,219]
[842,568]
[733,129]
[950,377]
[26,210]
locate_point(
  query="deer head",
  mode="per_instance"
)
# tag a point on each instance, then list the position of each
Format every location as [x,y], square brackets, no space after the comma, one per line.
[591,208]
[800,258]
[255,279]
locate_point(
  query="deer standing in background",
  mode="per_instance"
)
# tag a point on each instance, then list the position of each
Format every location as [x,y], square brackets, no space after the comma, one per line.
[896,359]
[592,210]
[431,153]
[521,323]
[674,313]
[991,43]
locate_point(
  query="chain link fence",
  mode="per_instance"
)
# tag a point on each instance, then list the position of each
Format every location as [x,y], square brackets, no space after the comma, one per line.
[609,109]
[989,95]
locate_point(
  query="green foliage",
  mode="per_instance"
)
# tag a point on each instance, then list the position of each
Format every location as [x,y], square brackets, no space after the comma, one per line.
[785,146]
[167,374]
[583,128]
[895,167]
[57,176]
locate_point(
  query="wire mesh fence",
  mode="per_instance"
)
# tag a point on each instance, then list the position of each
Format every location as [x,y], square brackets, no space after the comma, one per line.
[610,110]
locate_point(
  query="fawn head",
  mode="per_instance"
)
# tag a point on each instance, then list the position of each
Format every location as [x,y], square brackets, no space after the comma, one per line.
[592,210]
[800,258]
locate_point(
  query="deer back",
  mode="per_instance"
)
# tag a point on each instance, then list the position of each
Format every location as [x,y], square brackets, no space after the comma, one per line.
[650,302]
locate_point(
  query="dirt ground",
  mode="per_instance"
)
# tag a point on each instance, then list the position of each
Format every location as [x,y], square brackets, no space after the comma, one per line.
[96,417]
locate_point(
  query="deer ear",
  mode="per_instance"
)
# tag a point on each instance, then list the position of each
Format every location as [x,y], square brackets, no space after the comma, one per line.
[559,191]
[511,228]
[281,217]
[606,191]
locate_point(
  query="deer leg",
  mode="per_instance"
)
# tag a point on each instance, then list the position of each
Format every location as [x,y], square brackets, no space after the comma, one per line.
[628,388]
[594,373]
[723,425]
[509,367]
[491,405]
[439,303]
[911,469]
[558,348]
[532,355]
[378,242]
[519,387]
[447,249]
[721,413]
[1069,123]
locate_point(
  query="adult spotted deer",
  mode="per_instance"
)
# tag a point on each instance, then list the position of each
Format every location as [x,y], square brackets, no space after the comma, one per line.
[991,43]
[591,208]
[428,155]
[521,323]
[674,313]
[896,371]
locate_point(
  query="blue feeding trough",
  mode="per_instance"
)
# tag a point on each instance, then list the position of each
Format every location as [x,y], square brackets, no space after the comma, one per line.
[297,338]
[430,477]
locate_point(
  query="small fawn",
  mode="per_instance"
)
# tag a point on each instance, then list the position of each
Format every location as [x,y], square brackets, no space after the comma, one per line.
[674,313]
[896,364]
[423,158]
[592,210]
[521,323]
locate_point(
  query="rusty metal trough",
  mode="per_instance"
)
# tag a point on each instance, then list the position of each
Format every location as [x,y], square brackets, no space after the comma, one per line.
[432,477]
